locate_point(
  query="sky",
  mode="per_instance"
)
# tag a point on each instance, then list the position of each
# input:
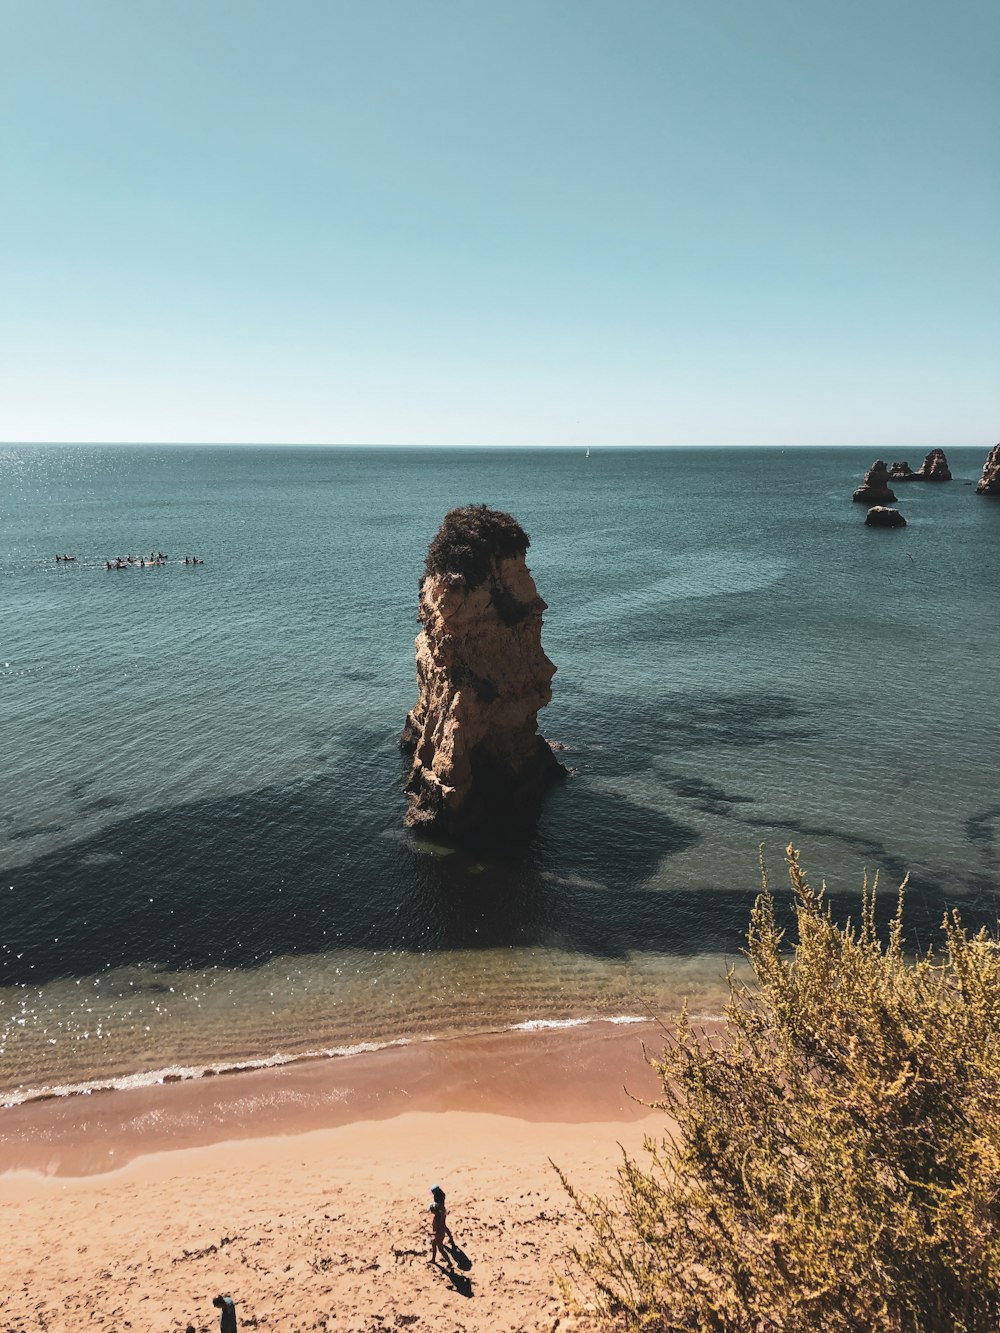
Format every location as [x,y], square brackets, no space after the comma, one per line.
[552,222]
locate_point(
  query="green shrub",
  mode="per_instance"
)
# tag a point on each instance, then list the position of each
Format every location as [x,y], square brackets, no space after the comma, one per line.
[469,538]
[836,1164]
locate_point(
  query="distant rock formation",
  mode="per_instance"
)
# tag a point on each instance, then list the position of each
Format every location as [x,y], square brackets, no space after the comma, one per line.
[902,472]
[989,482]
[880,516]
[935,467]
[479,763]
[874,490]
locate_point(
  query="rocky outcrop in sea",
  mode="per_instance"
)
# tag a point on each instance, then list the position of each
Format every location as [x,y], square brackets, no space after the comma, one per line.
[874,490]
[902,472]
[989,482]
[935,467]
[881,516]
[479,764]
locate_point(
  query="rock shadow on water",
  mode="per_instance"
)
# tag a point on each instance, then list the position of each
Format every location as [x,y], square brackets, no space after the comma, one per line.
[692,621]
[983,831]
[576,881]
[744,719]
[309,867]
[698,789]
[929,893]
[101,804]
[708,797]
[688,723]
[34,831]
[230,882]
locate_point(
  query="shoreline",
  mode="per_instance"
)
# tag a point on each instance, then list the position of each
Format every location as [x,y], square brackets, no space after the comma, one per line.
[567,1074]
[302,1191]
[181,1073]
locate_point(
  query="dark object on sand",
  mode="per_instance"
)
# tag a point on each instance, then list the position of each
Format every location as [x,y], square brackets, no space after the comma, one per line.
[227,1320]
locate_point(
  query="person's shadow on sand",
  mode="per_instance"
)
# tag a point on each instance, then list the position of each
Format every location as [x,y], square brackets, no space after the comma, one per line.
[460,1257]
[459,1281]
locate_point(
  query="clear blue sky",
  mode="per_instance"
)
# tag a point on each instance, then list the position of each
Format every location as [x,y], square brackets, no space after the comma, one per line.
[457,222]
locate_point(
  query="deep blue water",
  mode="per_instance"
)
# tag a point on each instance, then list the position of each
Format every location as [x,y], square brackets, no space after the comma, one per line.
[201,834]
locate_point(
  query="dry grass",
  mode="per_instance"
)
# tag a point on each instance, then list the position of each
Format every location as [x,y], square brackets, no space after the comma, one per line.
[837,1165]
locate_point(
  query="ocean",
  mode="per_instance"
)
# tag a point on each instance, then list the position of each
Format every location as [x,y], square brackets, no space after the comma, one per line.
[204,864]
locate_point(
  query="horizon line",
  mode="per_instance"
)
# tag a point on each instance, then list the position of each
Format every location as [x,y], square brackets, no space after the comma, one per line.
[342,444]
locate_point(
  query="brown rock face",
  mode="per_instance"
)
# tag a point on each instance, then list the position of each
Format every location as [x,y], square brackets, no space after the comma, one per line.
[935,467]
[989,482]
[874,490]
[902,472]
[879,516]
[479,763]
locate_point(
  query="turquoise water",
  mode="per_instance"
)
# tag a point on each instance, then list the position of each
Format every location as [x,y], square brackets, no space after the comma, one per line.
[201,834]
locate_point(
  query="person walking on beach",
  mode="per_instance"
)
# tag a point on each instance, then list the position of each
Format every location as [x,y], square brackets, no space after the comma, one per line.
[439,1225]
[227,1320]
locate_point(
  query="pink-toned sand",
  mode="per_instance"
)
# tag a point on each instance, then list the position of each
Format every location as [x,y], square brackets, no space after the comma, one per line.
[303,1191]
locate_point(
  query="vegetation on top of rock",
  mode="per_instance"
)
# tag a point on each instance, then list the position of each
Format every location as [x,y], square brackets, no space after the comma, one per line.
[470,537]
[837,1160]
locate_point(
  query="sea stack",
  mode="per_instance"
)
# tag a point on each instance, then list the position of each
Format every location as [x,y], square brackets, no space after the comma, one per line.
[935,467]
[989,482]
[881,516]
[903,472]
[479,764]
[874,490]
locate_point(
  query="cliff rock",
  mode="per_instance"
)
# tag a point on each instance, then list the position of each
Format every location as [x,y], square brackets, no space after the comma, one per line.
[479,763]
[902,472]
[879,516]
[874,490]
[989,482]
[935,467]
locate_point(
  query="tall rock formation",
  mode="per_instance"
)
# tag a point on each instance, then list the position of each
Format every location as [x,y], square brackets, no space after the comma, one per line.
[935,467]
[874,490]
[479,763]
[989,482]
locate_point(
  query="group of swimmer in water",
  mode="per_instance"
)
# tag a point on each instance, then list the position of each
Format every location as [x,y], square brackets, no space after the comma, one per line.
[123,561]
[143,561]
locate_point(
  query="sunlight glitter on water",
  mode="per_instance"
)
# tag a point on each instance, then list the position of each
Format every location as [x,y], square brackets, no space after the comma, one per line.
[100,1031]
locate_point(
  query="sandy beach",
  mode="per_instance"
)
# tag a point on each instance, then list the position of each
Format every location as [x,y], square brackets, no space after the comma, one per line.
[303,1191]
